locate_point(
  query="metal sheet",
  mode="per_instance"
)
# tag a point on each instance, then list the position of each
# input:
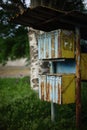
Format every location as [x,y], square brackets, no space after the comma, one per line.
[67,43]
[47,46]
[41,53]
[44,46]
[49,37]
[56,44]
[52,78]
[39,49]
[58,89]
[52,46]
[42,87]
[53,89]
[48,89]
[68,89]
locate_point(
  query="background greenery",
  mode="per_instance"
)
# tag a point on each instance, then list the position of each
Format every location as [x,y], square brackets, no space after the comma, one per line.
[21,109]
[14,42]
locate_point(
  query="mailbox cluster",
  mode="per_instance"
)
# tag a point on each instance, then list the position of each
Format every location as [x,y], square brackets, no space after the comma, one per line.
[56,44]
[58,48]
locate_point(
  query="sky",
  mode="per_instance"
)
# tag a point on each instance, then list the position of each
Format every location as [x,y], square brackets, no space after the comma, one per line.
[85,1]
[27,3]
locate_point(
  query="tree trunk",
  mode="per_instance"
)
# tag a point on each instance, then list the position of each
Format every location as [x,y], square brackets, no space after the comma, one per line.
[36,67]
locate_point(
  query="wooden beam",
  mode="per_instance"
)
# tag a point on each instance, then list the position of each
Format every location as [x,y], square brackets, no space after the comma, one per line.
[78,80]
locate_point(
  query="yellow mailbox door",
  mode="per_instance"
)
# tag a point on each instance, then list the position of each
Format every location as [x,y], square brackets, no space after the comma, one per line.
[68,89]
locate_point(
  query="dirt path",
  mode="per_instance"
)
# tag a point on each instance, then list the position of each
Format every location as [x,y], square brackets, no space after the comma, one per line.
[14,71]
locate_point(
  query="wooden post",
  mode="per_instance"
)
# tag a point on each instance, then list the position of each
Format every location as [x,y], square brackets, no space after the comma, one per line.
[78,80]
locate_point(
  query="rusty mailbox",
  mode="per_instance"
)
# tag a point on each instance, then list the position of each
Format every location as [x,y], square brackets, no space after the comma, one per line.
[56,44]
[57,88]
[68,66]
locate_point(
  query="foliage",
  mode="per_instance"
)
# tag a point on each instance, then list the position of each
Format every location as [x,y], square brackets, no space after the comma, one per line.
[14,47]
[21,109]
[13,88]
[13,38]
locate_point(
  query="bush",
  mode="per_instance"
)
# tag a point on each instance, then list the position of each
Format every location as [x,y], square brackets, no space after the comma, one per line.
[26,112]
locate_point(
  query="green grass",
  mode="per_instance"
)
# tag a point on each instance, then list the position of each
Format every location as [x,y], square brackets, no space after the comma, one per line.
[12,89]
[20,108]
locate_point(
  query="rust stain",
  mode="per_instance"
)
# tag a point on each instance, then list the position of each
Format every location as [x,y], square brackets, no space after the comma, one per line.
[53,46]
[47,55]
[47,50]
[48,92]
[59,93]
[42,90]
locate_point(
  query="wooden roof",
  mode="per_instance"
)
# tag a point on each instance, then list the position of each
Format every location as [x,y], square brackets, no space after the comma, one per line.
[48,19]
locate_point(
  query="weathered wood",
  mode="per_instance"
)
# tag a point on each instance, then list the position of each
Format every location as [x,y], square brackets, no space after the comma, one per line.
[78,80]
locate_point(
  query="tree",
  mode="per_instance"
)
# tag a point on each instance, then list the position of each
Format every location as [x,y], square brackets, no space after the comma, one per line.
[13,38]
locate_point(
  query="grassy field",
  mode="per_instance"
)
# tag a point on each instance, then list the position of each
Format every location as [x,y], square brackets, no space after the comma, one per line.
[20,108]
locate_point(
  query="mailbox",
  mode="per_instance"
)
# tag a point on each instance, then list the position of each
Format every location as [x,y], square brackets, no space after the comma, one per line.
[68,66]
[57,88]
[56,44]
